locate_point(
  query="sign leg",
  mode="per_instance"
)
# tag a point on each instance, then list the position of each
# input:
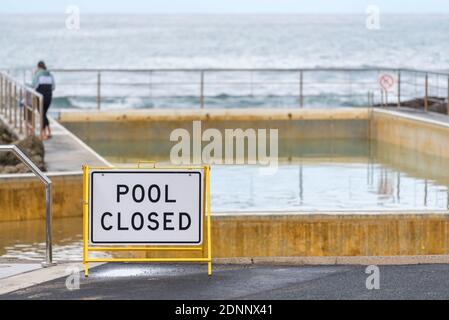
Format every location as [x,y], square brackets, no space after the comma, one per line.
[209,239]
[86,269]
[85,219]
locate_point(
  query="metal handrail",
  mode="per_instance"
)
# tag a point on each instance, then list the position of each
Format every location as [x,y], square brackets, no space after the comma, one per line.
[209,80]
[48,198]
[330,69]
[12,92]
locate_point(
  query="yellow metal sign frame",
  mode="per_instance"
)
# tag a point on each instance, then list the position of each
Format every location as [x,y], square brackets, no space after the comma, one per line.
[204,247]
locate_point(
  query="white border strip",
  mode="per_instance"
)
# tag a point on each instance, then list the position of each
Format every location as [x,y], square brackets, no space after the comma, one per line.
[421,118]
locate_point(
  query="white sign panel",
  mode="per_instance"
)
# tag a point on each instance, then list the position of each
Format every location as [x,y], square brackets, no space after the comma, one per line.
[146,207]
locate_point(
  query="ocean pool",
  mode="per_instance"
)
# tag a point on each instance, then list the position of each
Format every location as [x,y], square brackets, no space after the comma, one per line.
[316,175]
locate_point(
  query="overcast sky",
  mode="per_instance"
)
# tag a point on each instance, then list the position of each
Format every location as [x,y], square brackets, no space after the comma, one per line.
[225,6]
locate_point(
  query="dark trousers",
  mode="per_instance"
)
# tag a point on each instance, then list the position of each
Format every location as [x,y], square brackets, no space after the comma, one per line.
[46,92]
[47,102]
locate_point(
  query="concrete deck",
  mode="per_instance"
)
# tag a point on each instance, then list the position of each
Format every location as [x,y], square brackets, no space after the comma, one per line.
[420,115]
[66,152]
[20,278]
[12,269]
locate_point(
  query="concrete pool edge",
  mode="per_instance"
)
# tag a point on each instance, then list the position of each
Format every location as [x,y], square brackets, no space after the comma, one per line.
[326,235]
[287,234]
[320,214]
[422,132]
[337,260]
[250,114]
[331,234]
[67,195]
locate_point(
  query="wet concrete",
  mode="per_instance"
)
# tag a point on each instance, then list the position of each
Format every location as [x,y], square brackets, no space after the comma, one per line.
[161,281]
[65,152]
[12,269]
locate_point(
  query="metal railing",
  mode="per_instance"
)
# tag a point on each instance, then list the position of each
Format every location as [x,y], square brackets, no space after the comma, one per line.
[20,106]
[214,87]
[48,197]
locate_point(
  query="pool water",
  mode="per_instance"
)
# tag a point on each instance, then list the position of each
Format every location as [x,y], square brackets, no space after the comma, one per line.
[321,185]
[317,175]
[25,240]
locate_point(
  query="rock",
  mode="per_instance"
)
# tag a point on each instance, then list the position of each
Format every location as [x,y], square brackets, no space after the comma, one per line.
[436,104]
[15,169]
[31,146]
[5,136]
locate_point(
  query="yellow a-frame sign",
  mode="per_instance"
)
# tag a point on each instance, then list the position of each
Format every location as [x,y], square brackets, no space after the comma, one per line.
[163,209]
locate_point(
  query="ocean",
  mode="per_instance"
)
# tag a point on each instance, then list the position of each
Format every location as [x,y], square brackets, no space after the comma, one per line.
[216,41]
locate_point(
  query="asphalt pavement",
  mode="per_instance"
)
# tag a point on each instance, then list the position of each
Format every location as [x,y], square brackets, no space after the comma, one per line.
[186,281]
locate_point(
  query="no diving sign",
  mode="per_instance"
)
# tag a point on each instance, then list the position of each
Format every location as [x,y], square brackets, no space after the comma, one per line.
[386,81]
[146,207]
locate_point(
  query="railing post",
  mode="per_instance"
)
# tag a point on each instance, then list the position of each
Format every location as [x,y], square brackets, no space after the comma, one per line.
[15,105]
[251,88]
[21,110]
[301,97]
[99,90]
[399,89]
[10,102]
[447,110]
[48,227]
[41,113]
[25,111]
[5,97]
[33,112]
[202,90]
[426,93]
[1,93]
[150,79]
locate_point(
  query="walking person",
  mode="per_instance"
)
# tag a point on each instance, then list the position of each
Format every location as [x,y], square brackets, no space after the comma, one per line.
[44,83]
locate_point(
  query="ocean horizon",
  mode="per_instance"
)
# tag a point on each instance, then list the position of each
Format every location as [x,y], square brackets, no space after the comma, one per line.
[180,41]
[217,41]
